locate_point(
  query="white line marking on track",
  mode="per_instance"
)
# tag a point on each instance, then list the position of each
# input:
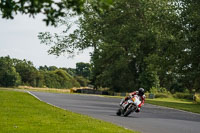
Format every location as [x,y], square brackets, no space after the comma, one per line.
[44,101]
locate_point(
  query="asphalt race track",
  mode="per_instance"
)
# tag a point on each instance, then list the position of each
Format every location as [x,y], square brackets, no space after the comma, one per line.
[151,119]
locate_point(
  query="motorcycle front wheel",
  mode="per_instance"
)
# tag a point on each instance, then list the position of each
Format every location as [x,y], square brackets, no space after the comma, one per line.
[118,112]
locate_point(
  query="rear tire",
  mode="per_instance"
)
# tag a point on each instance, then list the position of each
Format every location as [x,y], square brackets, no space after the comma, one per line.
[118,112]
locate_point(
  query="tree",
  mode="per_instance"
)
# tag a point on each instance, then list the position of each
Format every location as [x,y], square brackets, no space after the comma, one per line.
[27,71]
[83,69]
[50,8]
[71,71]
[139,43]
[8,75]
[59,79]
[43,68]
[82,81]
[52,68]
[190,63]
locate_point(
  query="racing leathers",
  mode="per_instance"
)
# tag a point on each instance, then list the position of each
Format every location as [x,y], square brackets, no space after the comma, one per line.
[142,99]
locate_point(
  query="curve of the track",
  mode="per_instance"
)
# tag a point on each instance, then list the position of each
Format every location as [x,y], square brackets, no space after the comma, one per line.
[151,119]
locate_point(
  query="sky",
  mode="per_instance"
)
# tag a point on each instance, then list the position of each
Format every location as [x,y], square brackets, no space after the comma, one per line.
[18,39]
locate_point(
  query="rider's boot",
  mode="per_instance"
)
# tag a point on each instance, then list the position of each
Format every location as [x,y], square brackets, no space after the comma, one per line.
[138,110]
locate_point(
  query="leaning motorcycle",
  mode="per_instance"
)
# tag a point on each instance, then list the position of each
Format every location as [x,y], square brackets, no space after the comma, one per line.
[129,106]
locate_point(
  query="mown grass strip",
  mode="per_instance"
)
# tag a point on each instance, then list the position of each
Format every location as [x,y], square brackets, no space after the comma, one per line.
[22,113]
[181,104]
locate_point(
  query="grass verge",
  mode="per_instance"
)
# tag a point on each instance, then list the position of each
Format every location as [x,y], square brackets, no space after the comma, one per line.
[181,104]
[51,90]
[22,113]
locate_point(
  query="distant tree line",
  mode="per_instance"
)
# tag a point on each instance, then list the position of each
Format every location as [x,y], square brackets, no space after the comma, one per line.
[15,72]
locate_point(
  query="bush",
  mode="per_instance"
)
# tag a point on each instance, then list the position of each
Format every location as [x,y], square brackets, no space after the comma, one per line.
[183,96]
[158,90]
[59,79]
[82,81]
[162,95]
[197,97]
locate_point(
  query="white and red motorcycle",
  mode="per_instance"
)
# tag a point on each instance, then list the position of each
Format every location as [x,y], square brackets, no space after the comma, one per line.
[129,106]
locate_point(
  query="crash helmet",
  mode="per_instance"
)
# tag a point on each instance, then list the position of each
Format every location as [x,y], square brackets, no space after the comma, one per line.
[141,91]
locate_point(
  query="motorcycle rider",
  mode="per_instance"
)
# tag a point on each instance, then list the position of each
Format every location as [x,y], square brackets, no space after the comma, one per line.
[140,93]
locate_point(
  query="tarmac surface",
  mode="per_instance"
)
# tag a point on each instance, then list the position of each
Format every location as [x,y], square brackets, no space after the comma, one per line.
[151,119]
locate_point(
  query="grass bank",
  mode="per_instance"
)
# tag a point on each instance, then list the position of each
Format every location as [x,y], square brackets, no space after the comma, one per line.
[22,113]
[182,104]
[53,90]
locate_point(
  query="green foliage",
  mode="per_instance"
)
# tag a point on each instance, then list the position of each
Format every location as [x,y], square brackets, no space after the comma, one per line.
[46,68]
[138,43]
[27,72]
[83,69]
[190,63]
[39,79]
[14,72]
[10,78]
[8,75]
[50,8]
[43,68]
[183,95]
[59,79]
[162,95]
[51,80]
[197,97]
[82,81]
[71,71]
[158,90]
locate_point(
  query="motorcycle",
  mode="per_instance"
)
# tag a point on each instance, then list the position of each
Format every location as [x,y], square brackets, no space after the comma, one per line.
[129,106]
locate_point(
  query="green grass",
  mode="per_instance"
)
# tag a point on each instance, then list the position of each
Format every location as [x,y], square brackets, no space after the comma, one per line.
[22,113]
[181,104]
[67,91]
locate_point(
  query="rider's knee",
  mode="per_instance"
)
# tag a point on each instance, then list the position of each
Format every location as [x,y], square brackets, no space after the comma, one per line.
[138,110]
